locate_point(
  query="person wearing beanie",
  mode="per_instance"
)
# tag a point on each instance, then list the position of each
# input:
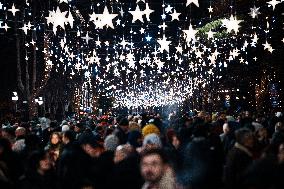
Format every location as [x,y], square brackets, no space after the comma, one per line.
[152,141]
[149,129]
[111,142]
[65,128]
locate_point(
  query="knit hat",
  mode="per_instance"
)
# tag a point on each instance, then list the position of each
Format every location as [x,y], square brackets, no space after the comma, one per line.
[65,128]
[149,129]
[111,142]
[152,139]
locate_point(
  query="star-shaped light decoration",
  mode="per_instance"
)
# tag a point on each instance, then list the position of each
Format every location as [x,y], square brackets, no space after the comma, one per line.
[273,3]
[123,43]
[192,1]
[254,12]
[164,16]
[13,10]
[137,14]
[6,27]
[210,9]
[210,34]
[142,30]
[57,18]
[164,26]
[164,44]
[175,15]
[190,33]
[63,1]
[179,49]
[70,19]
[25,29]
[87,38]
[232,24]
[148,38]
[268,47]
[106,18]
[29,25]
[147,12]
[168,9]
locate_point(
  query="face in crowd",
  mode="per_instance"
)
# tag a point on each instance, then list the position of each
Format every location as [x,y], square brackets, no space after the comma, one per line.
[152,168]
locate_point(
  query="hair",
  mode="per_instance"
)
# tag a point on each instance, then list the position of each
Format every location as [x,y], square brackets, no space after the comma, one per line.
[56,133]
[5,144]
[241,134]
[159,152]
[123,122]
[70,135]
[34,159]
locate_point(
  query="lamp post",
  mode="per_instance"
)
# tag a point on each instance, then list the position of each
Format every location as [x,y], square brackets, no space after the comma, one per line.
[39,101]
[15,98]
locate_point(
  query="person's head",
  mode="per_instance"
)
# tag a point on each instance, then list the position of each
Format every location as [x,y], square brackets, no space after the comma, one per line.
[261,133]
[153,164]
[173,138]
[222,116]
[247,114]
[135,138]
[90,145]
[281,153]
[20,132]
[150,129]
[279,126]
[55,138]
[78,127]
[5,146]
[245,137]
[226,128]
[152,141]
[124,125]
[111,142]
[68,136]
[39,161]
[65,128]
[122,152]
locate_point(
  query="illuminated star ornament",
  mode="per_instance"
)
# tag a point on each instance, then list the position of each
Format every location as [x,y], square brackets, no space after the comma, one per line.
[268,47]
[148,38]
[57,18]
[87,38]
[254,12]
[273,3]
[6,26]
[232,24]
[63,1]
[175,15]
[192,1]
[101,20]
[137,14]
[164,44]
[147,12]
[106,18]
[13,10]
[210,34]
[190,33]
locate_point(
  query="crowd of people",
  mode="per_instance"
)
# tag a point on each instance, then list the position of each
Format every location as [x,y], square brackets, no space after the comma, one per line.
[197,151]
